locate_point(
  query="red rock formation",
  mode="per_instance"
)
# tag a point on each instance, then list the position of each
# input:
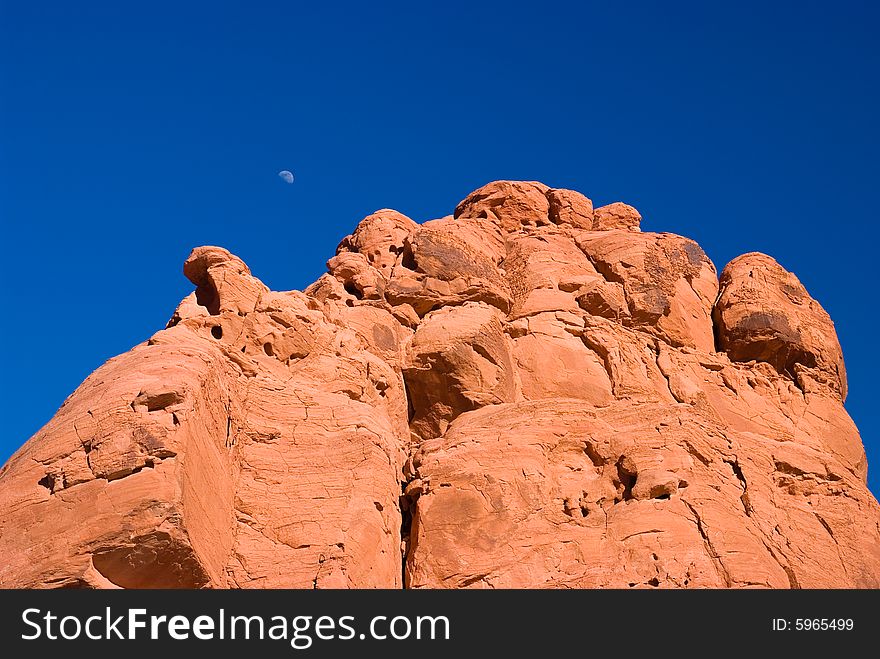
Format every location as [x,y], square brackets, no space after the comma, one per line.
[531,393]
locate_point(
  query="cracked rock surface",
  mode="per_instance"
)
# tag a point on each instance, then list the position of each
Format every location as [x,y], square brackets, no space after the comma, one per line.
[528,393]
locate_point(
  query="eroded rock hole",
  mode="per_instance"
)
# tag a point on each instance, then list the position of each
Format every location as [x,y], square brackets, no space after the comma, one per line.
[268,349]
[409,259]
[410,408]
[207,296]
[578,508]
[393,249]
[407,506]
[485,354]
[593,454]
[351,289]
[217,332]
[626,478]
[48,481]
[155,402]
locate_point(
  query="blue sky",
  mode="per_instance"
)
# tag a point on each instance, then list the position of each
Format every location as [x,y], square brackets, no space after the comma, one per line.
[131,132]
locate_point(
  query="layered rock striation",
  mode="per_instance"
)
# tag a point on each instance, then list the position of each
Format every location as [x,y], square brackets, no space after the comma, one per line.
[529,393]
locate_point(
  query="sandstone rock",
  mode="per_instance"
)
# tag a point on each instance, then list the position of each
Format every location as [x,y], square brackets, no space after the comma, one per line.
[459,361]
[571,208]
[559,495]
[380,238]
[439,268]
[525,394]
[510,204]
[764,313]
[553,360]
[544,271]
[616,216]
[223,282]
[603,298]
[668,281]
[358,277]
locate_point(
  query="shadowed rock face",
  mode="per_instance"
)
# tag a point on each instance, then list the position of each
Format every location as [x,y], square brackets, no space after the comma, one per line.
[529,393]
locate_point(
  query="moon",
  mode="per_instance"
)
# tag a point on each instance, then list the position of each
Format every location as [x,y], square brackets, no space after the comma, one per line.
[286,176]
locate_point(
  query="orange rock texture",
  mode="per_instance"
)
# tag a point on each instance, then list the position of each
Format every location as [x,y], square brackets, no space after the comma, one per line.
[529,393]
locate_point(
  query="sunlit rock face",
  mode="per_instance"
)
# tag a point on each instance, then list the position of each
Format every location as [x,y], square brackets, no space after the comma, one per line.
[531,392]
